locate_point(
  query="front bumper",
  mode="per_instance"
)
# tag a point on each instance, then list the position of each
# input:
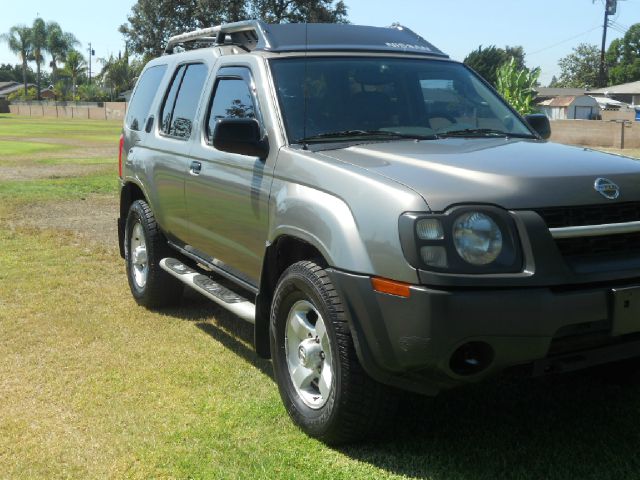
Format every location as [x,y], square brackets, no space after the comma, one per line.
[409,342]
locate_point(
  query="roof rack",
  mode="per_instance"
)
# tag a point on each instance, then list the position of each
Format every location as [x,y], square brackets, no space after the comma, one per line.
[306,37]
[249,34]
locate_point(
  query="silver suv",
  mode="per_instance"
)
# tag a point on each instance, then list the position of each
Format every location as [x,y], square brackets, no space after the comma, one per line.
[384,219]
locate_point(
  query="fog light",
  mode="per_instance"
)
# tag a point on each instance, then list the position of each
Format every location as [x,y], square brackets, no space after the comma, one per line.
[471,358]
[434,256]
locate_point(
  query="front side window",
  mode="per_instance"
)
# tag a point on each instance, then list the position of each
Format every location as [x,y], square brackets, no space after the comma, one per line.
[334,98]
[143,97]
[232,99]
[181,102]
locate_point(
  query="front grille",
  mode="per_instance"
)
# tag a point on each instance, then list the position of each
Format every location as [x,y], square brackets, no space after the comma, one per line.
[622,244]
[628,243]
[558,217]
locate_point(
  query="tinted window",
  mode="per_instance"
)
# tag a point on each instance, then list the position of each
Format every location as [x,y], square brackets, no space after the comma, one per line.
[170,100]
[145,93]
[187,102]
[324,96]
[232,99]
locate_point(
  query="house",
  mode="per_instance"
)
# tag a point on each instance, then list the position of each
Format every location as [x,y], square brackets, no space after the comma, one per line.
[626,92]
[47,94]
[570,107]
[7,88]
[545,93]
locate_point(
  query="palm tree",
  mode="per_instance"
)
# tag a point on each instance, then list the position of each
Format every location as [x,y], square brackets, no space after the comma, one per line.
[74,66]
[19,41]
[39,45]
[59,44]
[118,73]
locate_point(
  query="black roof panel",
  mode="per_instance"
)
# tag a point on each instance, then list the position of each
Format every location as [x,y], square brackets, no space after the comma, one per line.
[300,37]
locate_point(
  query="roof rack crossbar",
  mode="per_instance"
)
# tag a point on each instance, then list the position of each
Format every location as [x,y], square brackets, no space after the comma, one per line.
[250,34]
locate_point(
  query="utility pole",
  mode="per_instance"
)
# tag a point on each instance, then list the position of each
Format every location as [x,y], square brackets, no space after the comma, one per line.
[610,8]
[92,52]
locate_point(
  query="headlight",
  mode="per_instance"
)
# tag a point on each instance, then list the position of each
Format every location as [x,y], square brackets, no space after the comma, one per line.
[477,238]
[468,240]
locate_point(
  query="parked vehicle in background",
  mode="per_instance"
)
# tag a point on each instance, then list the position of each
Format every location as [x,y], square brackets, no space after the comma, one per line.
[378,212]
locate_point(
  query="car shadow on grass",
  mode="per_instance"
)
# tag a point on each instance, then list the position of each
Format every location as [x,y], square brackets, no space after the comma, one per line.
[572,426]
[568,427]
[232,332]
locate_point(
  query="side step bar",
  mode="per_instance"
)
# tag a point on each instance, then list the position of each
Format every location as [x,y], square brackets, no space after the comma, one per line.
[224,297]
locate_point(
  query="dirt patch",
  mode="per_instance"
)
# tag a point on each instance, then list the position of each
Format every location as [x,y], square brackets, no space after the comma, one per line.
[93,219]
[33,172]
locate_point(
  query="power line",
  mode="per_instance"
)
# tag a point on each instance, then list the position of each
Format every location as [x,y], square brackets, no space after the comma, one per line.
[564,41]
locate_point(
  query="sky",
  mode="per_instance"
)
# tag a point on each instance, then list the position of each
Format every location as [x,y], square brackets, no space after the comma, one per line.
[547,29]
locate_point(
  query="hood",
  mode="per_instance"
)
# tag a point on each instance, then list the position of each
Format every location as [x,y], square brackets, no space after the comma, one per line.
[510,173]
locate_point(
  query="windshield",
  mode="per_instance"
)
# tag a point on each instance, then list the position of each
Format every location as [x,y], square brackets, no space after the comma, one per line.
[382,98]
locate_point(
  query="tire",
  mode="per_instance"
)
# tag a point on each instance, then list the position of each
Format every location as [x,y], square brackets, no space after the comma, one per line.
[144,247]
[322,385]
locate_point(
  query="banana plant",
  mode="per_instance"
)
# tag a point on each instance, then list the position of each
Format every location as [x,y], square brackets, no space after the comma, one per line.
[517,86]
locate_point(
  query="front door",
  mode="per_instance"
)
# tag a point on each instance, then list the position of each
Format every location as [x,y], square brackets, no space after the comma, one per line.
[227,194]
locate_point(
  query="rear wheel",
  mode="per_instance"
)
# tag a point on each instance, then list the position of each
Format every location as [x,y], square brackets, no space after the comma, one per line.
[323,387]
[144,247]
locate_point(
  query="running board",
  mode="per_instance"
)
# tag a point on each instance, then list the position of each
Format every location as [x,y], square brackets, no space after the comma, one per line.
[224,297]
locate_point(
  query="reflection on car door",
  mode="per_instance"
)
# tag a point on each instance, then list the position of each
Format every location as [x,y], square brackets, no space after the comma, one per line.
[227,194]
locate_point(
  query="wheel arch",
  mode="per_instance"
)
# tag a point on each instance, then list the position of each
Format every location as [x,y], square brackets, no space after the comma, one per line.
[286,250]
[129,193]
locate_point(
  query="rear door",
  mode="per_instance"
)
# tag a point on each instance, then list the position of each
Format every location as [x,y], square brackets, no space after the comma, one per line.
[227,194]
[168,160]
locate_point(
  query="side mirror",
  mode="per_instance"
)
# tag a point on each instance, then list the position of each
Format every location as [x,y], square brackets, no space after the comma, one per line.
[540,123]
[240,135]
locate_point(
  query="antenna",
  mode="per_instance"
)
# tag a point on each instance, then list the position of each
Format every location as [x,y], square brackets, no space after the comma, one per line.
[305,83]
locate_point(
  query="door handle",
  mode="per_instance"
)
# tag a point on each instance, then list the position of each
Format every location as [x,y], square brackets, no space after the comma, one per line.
[195,168]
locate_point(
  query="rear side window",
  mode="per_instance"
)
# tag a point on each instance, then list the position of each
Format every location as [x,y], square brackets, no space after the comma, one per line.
[181,101]
[145,93]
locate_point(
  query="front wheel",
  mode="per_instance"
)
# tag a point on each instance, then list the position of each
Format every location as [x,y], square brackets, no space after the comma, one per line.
[322,385]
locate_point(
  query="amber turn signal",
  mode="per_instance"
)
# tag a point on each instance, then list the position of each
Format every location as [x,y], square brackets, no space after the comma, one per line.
[391,287]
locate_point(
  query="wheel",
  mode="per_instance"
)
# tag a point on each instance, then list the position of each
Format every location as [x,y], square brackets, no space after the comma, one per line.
[145,246]
[323,387]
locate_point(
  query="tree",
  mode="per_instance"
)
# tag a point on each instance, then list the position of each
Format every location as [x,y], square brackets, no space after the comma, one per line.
[74,67]
[554,83]
[580,69]
[623,57]
[152,22]
[119,74]
[487,61]
[287,11]
[38,45]
[59,44]
[517,86]
[14,73]
[19,41]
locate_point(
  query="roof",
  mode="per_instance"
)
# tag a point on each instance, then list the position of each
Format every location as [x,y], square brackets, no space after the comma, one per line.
[4,85]
[557,92]
[303,37]
[632,88]
[9,90]
[328,36]
[558,101]
[605,102]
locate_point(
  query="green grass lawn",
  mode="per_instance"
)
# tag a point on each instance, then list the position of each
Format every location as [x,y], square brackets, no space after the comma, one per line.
[93,386]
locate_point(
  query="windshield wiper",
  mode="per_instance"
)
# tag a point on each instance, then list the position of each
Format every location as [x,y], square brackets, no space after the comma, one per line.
[359,134]
[482,132]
